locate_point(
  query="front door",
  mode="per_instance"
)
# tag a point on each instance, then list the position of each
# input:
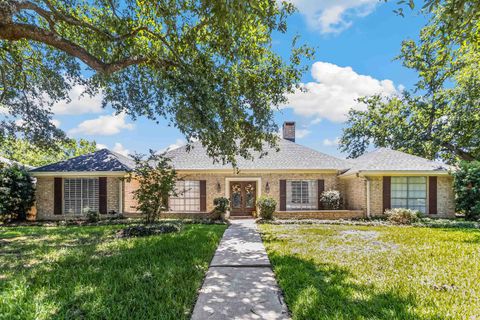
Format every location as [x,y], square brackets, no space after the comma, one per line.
[242,197]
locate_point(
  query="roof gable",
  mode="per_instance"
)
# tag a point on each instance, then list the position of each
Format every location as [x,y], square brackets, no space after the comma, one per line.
[290,157]
[100,160]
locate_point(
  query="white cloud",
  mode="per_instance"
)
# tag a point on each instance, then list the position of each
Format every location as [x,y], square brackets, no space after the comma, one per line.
[105,125]
[333,16]
[334,92]
[119,148]
[101,146]
[331,142]
[79,104]
[301,133]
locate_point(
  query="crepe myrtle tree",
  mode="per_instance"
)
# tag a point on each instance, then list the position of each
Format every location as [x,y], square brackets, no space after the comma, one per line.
[157,180]
[207,66]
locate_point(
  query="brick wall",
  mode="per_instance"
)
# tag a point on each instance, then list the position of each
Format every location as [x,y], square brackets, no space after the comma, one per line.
[44,197]
[113,193]
[354,193]
[445,197]
[129,203]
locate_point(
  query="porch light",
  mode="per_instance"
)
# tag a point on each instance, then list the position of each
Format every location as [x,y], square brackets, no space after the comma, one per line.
[219,187]
[267,188]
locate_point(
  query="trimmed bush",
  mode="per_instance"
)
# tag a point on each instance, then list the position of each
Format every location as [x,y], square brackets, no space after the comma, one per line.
[17,192]
[402,216]
[467,189]
[331,200]
[266,206]
[92,216]
[221,206]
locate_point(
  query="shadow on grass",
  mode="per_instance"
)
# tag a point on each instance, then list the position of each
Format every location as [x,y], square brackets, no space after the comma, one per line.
[327,291]
[154,277]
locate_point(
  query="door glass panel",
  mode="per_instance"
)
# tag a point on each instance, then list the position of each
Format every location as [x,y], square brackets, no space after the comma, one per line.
[236,196]
[249,195]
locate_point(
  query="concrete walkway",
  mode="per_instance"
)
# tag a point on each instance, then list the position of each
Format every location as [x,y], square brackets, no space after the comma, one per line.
[240,283]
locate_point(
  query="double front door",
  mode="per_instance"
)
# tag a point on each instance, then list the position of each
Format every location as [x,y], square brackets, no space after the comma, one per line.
[242,197]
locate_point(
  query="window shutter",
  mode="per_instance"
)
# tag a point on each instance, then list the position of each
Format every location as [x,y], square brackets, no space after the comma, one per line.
[283,195]
[102,195]
[432,195]
[387,185]
[321,188]
[203,195]
[57,196]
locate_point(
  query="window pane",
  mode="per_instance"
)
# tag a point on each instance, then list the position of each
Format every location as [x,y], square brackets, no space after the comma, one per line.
[80,195]
[302,195]
[409,192]
[187,196]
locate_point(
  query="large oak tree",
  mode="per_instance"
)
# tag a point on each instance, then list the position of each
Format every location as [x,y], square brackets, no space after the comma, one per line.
[440,117]
[205,65]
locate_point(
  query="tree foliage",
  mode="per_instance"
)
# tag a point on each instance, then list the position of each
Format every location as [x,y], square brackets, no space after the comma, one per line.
[17,192]
[439,118]
[207,66]
[156,178]
[467,189]
[25,152]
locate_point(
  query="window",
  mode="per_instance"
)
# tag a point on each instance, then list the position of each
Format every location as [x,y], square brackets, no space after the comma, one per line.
[409,192]
[188,196]
[302,195]
[80,195]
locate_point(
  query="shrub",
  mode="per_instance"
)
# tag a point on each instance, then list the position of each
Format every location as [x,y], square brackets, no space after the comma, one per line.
[92,216]
[266,206]
[221,207]
[17,192]
[331,200]
[467,189]
[402,216]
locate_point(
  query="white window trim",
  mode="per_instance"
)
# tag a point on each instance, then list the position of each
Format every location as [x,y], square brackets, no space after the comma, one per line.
[63,194]
[427,191]
[315,182]
[199,198]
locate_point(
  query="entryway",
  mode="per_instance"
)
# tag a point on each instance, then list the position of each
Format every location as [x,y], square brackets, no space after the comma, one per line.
[243,196]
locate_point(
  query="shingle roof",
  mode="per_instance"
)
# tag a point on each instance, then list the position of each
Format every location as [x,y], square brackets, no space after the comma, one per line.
[101,160]
[290,156]
[384,159]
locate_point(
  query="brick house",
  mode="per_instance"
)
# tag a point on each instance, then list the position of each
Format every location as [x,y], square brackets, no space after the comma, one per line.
[295,176]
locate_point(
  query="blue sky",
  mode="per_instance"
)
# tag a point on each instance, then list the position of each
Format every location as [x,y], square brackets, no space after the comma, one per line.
[355,41]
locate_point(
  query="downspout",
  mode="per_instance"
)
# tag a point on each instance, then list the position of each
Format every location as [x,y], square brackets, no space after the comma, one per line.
[120,196]
[368,197]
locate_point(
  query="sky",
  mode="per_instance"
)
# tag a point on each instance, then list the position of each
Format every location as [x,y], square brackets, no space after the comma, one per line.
[355,41]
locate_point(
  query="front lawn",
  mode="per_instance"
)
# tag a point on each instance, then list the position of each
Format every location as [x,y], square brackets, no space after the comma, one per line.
[361,272]
[87,273]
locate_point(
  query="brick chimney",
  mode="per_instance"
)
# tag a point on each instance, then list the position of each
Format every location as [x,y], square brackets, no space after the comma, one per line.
[289,130]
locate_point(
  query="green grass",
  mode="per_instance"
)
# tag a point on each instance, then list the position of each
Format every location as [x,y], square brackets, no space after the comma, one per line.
[86,273]
[361,272]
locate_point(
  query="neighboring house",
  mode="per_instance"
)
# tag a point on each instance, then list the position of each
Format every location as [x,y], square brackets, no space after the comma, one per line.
[8,162]
[295,176]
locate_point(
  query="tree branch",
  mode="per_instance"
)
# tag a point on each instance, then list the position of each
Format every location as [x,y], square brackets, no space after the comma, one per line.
[18,31]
